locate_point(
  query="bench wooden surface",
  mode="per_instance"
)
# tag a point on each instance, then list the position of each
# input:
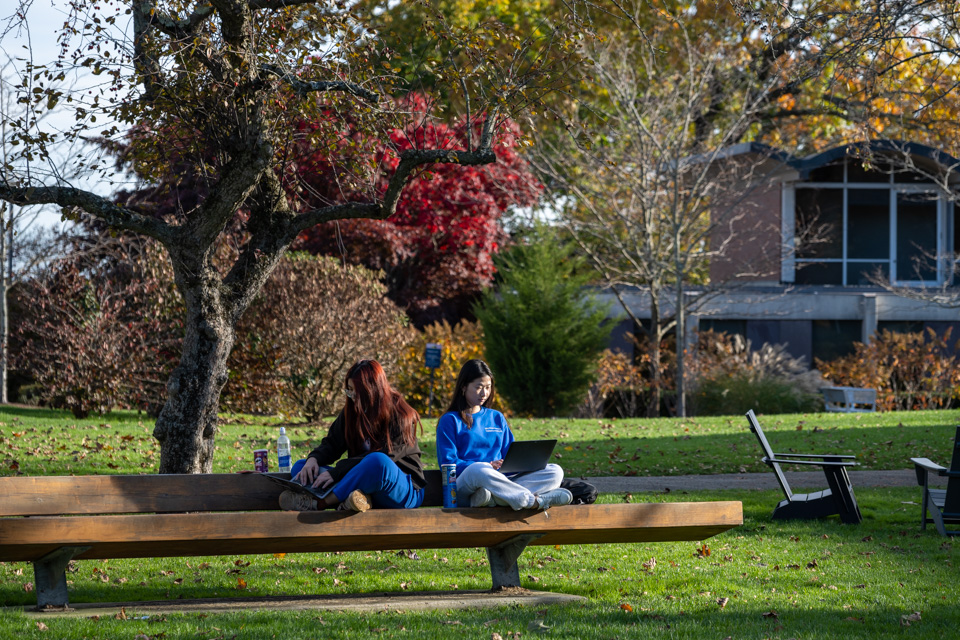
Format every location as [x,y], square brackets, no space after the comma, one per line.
[99,517]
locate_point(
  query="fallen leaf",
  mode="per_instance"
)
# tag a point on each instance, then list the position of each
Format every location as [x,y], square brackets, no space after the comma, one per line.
[906,619]
[771,614]
[626,607]
[495,636]
[241,583]
[650,564]
[28,586]
[279,556]
[538,626]
[723,602]
[41,626]
[122,615]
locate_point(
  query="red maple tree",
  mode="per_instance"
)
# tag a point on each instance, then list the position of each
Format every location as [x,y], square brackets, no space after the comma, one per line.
[437,250]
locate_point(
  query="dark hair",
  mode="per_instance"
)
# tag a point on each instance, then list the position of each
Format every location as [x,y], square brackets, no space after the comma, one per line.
[377,412]
[470,371]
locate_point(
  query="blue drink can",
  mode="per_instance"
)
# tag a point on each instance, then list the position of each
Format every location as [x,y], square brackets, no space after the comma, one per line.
[448,475]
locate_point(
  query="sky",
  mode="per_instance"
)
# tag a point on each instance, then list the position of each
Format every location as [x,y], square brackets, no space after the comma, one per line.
[39,39]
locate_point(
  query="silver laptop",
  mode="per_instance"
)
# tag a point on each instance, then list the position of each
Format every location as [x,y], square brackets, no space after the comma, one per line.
[299,488]
[525,456]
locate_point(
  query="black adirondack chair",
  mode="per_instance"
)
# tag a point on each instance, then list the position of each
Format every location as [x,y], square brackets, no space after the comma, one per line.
[943,505]
[837,499]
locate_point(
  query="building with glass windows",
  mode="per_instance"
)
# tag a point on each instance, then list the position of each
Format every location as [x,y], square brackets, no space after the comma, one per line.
[827,230]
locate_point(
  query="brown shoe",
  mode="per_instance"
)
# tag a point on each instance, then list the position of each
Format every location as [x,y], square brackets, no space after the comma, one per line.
[356,501]
[294,501]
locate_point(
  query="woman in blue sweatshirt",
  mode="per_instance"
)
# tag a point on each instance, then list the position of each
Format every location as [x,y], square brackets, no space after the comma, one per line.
[476,439]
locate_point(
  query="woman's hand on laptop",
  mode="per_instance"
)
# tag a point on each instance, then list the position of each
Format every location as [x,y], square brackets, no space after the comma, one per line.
[496,464]
[308,473]
[323,480]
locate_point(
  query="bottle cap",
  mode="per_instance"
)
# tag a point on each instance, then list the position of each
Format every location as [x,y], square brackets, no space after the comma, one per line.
[283,431]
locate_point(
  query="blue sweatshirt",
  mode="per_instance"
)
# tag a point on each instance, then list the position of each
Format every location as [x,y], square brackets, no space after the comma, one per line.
[487,440]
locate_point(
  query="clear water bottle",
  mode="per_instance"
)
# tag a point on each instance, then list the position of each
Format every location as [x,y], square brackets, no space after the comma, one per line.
[283,451]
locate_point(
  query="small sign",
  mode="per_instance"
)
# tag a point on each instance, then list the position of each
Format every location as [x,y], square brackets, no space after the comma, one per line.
[433,354]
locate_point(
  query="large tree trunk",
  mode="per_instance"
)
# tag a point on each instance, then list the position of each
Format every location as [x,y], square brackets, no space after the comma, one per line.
[187,425]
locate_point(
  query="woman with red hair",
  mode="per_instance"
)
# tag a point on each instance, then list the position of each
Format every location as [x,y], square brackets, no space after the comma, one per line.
[377,430]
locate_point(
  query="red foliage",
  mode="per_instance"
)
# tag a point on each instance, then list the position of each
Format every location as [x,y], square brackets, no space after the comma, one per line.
[437,249]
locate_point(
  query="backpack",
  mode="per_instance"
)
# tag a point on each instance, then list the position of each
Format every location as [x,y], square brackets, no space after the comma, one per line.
[583,492]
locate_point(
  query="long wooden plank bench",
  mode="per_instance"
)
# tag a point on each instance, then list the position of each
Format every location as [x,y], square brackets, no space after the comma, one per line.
[53,519]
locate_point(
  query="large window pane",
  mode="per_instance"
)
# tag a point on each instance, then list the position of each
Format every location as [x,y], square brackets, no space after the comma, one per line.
[730,327]
[916,237]
[868,223]
[900,326]
[867,273]
[834,339]
[819,273]
[819,223]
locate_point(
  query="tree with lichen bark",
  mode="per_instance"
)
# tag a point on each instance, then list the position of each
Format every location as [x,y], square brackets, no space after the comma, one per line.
[217,89]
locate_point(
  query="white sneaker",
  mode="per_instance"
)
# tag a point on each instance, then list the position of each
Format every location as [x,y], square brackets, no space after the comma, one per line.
[482,498]
[554,498]
[295,501]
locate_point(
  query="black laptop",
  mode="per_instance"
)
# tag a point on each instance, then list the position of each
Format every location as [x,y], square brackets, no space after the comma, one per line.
[299,488]
[525,456]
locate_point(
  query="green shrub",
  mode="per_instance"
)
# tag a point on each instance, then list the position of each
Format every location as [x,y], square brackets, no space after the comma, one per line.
[734,394]
[729,377]
[543,331]
[313,320]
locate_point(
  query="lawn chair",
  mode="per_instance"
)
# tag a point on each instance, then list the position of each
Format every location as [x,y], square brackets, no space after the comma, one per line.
[943,505]
[838,499]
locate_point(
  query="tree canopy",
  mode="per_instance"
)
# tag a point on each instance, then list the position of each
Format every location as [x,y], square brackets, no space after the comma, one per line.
[217,92]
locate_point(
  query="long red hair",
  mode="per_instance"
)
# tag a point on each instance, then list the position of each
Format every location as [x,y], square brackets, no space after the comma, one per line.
[377,413]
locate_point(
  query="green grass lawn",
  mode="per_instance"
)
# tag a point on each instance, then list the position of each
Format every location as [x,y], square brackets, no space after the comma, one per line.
[765,579]
[38,441]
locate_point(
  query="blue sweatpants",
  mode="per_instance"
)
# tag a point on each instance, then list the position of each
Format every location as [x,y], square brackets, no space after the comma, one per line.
[380,478]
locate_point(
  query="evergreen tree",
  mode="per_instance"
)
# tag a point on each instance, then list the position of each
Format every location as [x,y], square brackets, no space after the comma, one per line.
[543,329]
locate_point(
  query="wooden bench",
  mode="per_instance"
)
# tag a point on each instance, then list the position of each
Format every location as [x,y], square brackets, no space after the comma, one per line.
[199,515]
[837,499]
[849,399]
[942,505]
